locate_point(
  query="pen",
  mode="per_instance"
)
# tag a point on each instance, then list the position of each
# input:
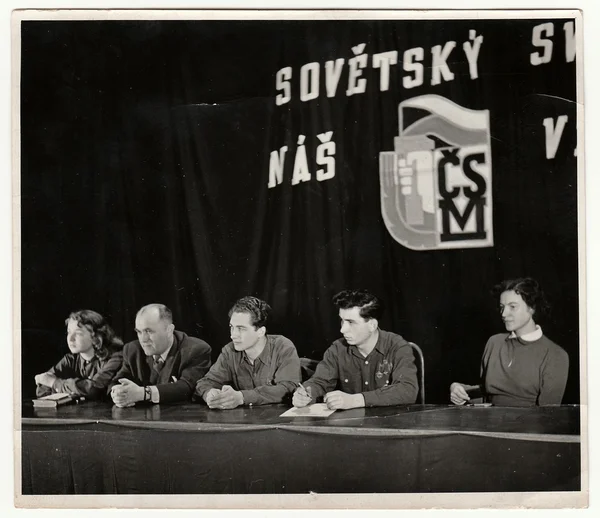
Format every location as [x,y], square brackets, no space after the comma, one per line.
[304,389]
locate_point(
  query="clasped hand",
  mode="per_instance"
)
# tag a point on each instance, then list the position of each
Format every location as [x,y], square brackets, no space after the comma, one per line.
[338,400]
[225,399]
[127,393]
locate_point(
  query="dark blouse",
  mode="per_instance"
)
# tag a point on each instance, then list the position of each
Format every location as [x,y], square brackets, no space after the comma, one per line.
[82,377]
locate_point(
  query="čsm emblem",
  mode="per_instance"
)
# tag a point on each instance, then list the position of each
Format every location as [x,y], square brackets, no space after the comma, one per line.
[436,186]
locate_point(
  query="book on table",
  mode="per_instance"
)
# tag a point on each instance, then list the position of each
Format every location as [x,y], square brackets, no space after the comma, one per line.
[54,400]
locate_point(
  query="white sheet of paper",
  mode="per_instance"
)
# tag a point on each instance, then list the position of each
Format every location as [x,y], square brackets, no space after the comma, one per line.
[314,410]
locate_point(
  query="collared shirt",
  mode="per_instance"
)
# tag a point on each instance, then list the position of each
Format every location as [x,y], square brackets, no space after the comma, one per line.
[164,355]
[275,372]
[529,337]
[387,376]
[154,394]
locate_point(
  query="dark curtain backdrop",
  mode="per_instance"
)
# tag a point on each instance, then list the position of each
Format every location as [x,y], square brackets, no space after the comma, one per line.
[145,163]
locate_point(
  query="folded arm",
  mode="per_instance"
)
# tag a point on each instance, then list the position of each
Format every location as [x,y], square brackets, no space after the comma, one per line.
[218,375]
[95,387]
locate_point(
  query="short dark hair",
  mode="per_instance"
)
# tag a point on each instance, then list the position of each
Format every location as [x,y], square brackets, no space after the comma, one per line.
[104,338]
[164,313]
[369,305]
[530,291]
[258,310]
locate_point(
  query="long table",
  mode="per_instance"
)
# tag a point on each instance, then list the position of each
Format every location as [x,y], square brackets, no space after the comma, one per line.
[96,448]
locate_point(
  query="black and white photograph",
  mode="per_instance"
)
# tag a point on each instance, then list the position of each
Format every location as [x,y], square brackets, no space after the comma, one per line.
[299,258]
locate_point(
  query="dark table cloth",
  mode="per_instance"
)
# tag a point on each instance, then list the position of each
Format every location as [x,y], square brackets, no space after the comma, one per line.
[96,448]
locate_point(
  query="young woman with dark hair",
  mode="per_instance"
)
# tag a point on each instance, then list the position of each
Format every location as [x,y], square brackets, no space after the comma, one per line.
[522,367]
[95,357]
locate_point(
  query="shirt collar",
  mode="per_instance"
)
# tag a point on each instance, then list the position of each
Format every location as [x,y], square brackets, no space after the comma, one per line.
[529,337]
[381,346]
[164,355]
[264,354]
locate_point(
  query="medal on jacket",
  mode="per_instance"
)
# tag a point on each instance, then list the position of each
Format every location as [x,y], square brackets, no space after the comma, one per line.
[383,369]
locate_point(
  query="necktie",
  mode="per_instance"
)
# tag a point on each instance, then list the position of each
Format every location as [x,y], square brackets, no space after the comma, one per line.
[157,365]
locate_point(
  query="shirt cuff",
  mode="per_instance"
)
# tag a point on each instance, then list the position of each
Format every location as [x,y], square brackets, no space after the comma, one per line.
[315,391]
[370,398]
[249,397]
[154,394]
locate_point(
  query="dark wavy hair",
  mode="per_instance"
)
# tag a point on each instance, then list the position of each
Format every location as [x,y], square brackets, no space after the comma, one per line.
[369,305]
[104,339]
[258,310]
[530,292]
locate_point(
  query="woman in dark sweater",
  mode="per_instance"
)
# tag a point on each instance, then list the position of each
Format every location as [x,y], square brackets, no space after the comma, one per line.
[522,367]
[95,357]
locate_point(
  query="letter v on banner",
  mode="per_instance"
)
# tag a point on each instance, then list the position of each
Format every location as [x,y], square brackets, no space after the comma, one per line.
[436,186]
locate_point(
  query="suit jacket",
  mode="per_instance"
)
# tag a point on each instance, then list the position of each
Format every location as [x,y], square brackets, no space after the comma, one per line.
[187,362]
